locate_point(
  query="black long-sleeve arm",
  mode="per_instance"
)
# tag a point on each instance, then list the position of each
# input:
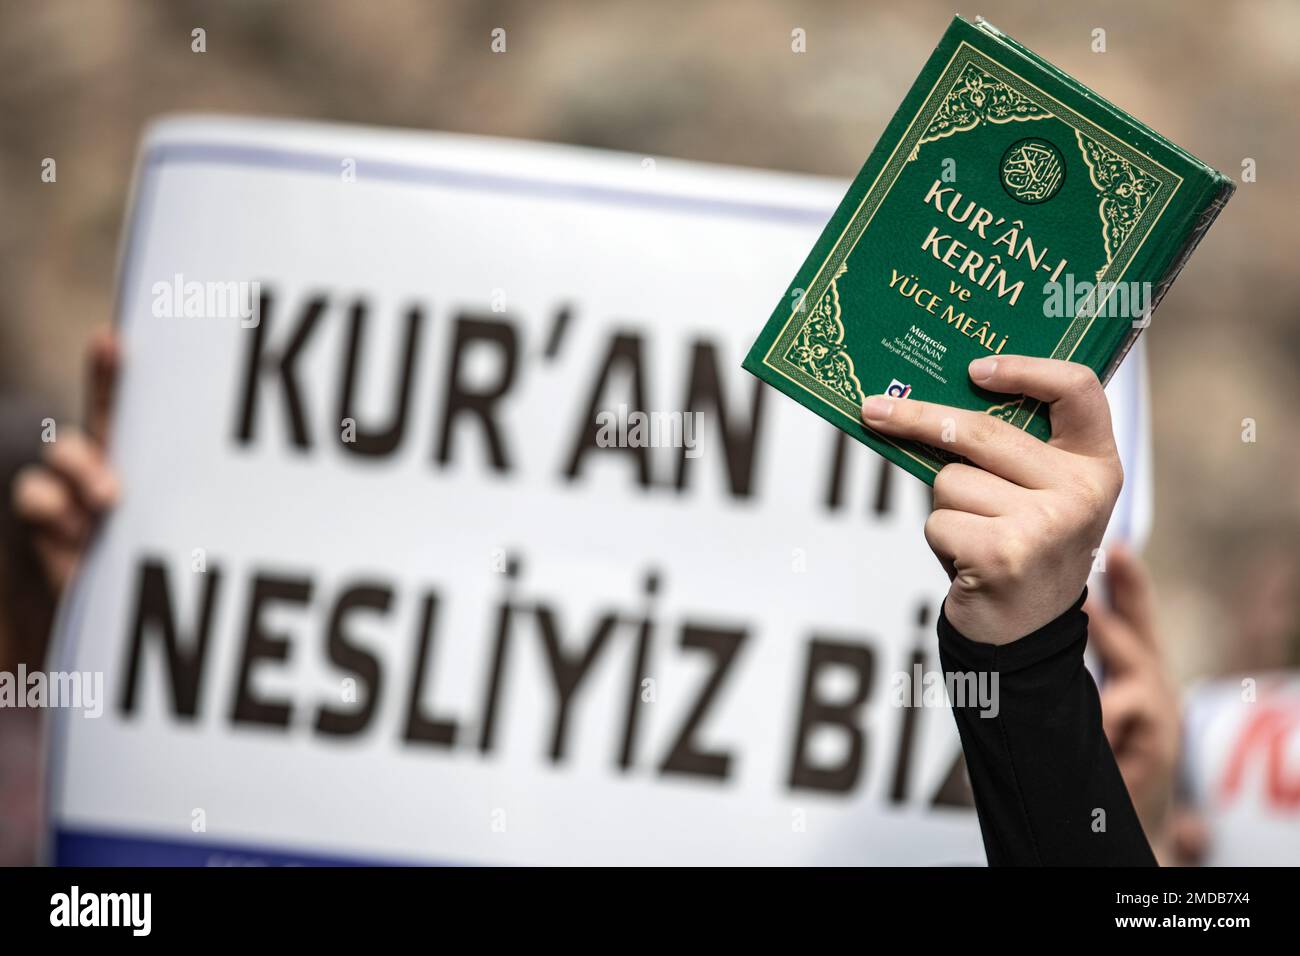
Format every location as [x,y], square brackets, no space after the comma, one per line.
[1047,788]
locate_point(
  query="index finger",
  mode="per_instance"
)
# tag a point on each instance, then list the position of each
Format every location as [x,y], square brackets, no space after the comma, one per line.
[1119,648]
[1132,592]
[102,360]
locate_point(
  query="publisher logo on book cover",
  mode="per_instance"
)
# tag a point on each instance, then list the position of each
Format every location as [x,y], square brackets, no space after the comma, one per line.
[898,390]
[1033,170]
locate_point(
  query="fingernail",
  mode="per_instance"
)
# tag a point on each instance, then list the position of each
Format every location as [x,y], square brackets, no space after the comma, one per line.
[877,408]
[982,369]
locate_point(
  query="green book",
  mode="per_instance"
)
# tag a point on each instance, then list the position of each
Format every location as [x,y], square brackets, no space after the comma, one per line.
[1006,209]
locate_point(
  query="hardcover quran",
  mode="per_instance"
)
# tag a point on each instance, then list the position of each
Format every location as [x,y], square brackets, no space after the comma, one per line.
[1006,209]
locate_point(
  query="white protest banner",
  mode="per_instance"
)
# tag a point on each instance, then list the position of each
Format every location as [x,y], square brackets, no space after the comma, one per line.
[398,574]
[1241,768]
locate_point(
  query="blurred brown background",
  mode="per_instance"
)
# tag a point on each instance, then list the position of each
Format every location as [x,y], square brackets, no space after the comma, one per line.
[715,82]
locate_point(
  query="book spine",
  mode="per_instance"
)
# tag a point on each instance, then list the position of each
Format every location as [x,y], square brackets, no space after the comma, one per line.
[1204,219]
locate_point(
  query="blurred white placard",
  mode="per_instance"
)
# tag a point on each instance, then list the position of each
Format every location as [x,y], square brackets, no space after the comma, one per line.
[458,632]
[1241,768]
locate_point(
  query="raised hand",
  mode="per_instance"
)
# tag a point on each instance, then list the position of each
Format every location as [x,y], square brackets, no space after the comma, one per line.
[1018,528]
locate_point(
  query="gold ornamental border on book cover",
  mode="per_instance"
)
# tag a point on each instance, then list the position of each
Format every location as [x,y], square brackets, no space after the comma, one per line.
[1114,167]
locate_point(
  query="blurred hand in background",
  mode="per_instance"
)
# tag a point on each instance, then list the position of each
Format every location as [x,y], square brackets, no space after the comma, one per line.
[1140,706]
[61,498]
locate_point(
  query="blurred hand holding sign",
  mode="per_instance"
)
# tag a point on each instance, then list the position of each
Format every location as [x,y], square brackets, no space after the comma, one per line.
[400,574]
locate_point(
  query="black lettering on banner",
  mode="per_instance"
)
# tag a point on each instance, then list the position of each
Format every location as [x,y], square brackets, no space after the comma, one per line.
[262,646]
[380,441]
[910,715]
[461,400]
[624,350]
[422,727]
[882,502]
[884,483]
[955,789]
[815,712]
[353,659]
[559,325]
[637,673]
[835,480]
[258,361]
[500,649]
[568,670]
[739,442]
[153,613]
[570,667]
[685,757]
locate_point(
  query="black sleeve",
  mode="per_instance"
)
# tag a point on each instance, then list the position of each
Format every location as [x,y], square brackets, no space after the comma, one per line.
[1047,788]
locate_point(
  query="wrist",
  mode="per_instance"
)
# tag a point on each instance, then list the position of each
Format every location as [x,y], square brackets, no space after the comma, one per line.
[991,623]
